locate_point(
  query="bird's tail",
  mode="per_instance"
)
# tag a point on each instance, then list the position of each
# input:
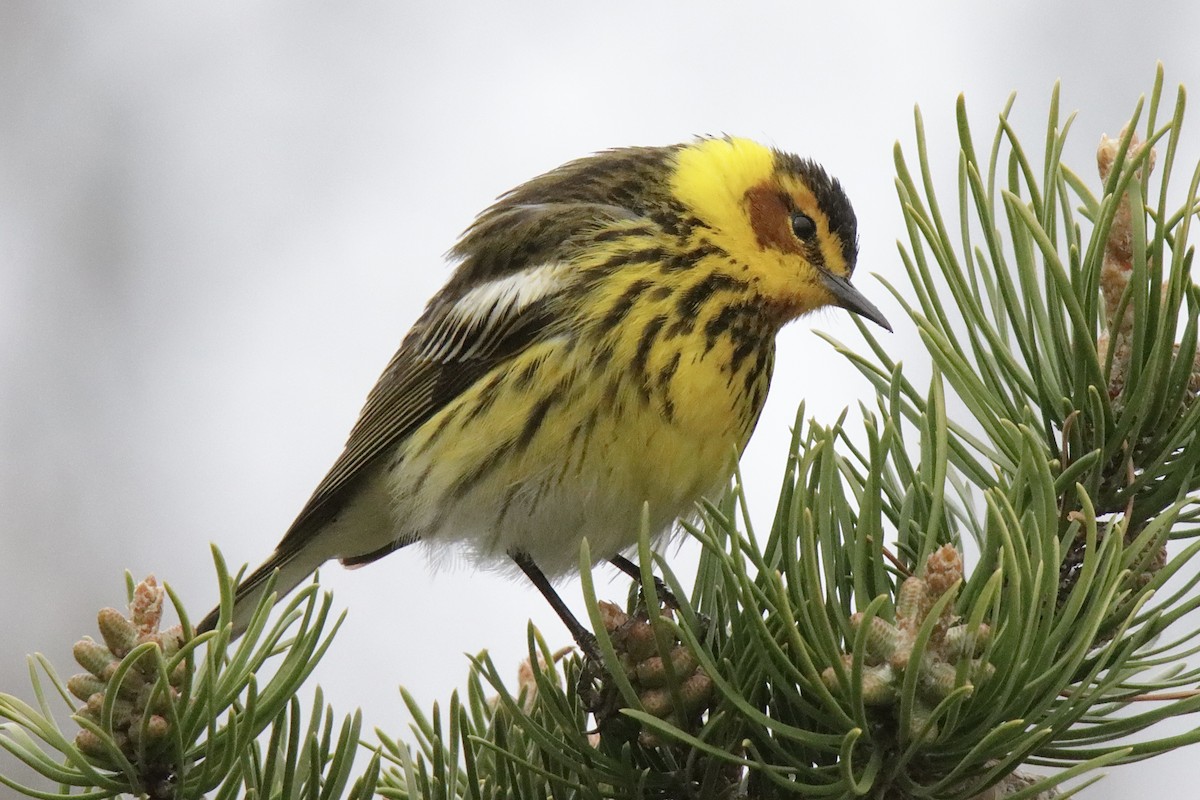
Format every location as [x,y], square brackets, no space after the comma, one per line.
[294,566]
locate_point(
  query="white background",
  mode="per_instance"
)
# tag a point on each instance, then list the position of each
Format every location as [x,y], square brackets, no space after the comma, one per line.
[217,221]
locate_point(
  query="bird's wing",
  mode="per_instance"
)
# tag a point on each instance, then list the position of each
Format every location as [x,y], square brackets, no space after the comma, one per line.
[468,329]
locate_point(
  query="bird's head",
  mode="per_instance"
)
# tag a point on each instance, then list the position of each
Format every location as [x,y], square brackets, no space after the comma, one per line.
[781,219]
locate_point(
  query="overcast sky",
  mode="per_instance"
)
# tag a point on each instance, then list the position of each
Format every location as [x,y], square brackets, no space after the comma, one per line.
[217,221]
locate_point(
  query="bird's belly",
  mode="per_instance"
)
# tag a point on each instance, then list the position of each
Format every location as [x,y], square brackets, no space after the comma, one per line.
[579,461]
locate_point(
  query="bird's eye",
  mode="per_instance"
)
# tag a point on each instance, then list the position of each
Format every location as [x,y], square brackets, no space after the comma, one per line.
[803,226]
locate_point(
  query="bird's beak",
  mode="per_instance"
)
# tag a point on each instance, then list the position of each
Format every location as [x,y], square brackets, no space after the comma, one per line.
[849,298]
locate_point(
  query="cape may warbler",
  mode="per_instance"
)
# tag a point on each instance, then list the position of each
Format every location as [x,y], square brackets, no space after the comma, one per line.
[605,342]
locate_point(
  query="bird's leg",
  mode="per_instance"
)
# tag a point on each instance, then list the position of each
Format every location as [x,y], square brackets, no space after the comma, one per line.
[583,637]
[664,594]
[632,570]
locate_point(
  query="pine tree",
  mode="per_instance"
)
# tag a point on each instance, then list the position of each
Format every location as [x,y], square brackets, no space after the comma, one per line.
[942,599]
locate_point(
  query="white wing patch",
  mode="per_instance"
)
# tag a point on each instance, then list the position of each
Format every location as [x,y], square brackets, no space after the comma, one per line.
[479,319]
[508,295]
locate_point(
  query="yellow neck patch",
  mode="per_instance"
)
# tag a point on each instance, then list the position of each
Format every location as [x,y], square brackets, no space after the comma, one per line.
[712,177]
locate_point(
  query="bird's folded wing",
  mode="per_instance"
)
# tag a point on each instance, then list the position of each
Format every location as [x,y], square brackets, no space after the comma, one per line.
[467,330]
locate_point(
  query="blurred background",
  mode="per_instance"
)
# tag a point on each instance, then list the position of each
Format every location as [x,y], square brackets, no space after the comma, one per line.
[218,220]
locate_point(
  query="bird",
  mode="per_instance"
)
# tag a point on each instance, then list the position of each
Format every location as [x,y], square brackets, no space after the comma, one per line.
[604,343]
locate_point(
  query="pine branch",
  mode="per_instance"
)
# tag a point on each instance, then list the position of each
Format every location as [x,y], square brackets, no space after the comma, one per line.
[170,715]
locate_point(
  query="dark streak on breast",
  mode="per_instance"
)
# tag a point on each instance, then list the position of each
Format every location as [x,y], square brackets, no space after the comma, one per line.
[624,304]
[641,357]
